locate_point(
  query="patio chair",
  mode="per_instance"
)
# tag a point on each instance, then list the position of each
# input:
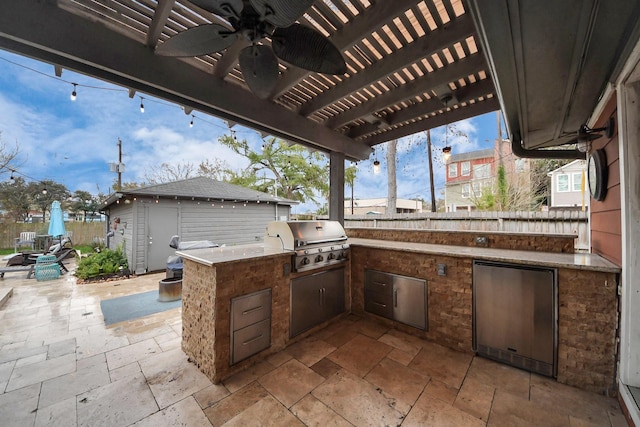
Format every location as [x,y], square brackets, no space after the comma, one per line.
[47,268]
[27,238]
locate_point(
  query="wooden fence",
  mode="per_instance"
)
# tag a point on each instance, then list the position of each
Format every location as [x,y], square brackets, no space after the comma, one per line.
[83,232]
[553,222]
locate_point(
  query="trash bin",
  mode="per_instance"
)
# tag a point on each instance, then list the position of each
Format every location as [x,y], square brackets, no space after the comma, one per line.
[170,289]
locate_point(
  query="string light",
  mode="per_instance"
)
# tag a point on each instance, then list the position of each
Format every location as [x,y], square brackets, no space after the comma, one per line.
[74,94]
[446,153]
[376,163]
[141,105]
[44,190]
[191,122]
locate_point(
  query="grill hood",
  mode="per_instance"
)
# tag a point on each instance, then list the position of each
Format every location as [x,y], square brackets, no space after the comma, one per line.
[292,235]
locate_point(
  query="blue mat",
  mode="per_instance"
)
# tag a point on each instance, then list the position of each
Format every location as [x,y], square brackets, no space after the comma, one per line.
[133,306]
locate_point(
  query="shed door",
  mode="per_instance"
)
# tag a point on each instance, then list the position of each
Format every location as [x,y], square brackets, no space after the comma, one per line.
[162,223]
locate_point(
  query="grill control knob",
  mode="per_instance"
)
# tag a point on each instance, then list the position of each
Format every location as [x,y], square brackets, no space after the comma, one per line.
[319,249]
[319,258]
[304,261]
[306,251]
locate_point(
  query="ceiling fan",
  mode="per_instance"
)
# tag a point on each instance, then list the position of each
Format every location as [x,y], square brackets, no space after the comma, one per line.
[253,21]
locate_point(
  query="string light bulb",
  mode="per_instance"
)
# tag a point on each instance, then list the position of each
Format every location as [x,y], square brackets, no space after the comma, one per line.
[141,105]
[44,190]
[74,94]
[191,122]
[376,163]
[446,153]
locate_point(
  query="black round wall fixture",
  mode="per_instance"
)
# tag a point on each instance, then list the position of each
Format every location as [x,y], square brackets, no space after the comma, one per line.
[597,174]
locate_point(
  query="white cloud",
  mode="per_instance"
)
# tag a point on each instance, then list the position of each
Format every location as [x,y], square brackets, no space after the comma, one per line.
[74,142]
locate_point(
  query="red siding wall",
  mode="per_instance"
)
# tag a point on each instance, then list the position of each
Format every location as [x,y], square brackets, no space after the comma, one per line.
[606,216]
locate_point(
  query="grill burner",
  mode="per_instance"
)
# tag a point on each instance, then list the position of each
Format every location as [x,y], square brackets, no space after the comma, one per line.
[316,243]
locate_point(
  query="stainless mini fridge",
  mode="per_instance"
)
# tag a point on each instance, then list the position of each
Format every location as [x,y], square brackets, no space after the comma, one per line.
[515,315]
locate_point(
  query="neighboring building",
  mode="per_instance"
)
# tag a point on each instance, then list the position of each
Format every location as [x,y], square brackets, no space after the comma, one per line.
[379,206]
[568,185]
[143,220]
[467,174]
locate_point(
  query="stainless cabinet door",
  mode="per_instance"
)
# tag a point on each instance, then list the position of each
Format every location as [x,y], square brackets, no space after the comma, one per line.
[410,301]
[316,298]
[514,310]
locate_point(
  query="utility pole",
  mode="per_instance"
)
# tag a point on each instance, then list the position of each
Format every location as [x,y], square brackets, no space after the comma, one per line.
[433,195]
[119,163]
[118,167]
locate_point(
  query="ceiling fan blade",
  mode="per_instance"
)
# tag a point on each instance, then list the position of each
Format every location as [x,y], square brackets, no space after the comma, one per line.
[281,13]
[306,48]
[260,69]
[197,41]
[224,8]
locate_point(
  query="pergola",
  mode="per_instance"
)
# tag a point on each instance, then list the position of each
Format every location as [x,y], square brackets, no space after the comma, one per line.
[412,65]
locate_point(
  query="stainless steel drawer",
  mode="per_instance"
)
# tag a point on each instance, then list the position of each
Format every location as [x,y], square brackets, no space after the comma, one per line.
[249,309]
[378,282]
[250,340]
[378,303]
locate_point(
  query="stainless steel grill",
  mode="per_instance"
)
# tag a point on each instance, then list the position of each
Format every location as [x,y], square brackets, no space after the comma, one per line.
[316,243]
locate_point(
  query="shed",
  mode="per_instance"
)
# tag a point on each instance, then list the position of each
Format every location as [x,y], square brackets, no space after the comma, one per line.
[143,220]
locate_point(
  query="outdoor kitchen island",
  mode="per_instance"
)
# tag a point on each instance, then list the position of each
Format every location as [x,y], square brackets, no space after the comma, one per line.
[587,301]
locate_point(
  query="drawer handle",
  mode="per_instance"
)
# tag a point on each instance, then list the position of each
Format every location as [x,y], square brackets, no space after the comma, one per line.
[252,340]
[379,283]
[251,310]
[380,304]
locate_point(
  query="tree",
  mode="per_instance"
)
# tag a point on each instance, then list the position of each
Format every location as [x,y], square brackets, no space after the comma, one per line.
[503,189]
[8,156]
[168,172]
[85,202]
[13,200]
[42,199]
[215,169]
[541,183]
[295,173]
[392,186]
[350,180]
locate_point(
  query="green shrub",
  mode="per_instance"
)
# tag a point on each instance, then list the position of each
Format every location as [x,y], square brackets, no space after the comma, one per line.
[102,263]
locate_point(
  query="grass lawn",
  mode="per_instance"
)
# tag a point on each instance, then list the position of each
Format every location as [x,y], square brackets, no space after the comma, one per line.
[85,249]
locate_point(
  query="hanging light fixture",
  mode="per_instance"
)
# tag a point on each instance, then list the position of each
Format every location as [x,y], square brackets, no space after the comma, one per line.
[73,94]
[446,153]
[376,163]
[141,105]
[44,190]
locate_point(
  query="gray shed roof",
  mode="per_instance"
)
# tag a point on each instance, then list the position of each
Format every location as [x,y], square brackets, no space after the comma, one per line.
[478,154]
[200,188]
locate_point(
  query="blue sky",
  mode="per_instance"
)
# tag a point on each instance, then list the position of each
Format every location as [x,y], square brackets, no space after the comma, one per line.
[74,142]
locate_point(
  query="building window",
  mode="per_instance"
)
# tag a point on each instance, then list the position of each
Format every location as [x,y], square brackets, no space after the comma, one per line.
[477,189]
[453,170]
[465,169]
[466,191]
[520,164]
[562,183]
[482,171]
[576,181]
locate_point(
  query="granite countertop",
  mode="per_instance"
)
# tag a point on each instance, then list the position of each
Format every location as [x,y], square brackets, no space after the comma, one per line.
[546,259]
[212,256]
